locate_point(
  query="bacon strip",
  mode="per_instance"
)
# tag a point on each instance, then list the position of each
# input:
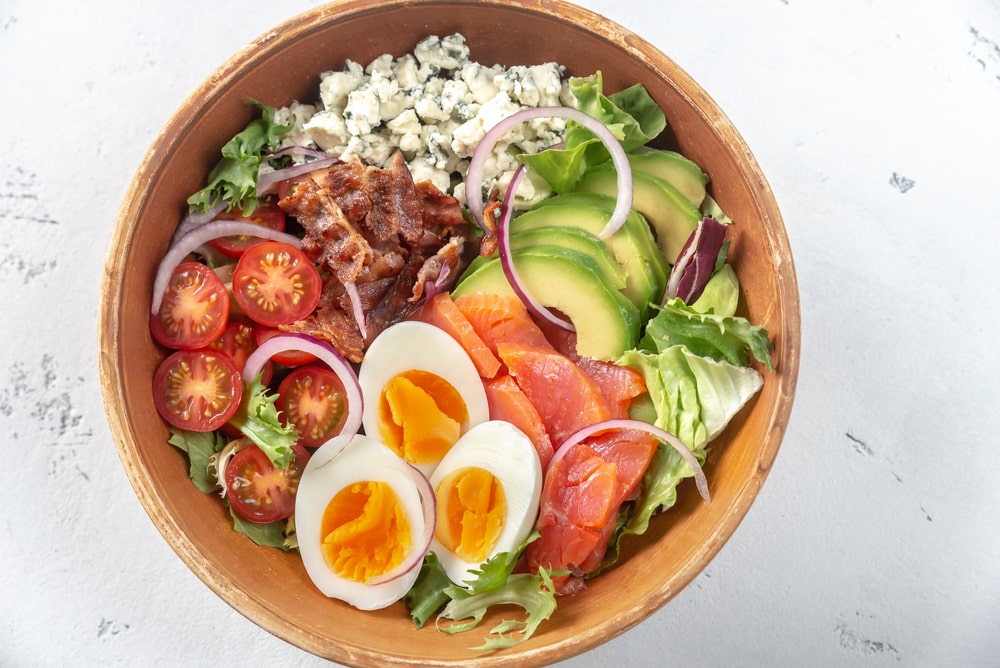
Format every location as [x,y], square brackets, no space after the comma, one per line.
[378,230]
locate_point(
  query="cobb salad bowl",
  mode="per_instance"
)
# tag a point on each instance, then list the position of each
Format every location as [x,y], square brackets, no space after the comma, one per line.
[270,586]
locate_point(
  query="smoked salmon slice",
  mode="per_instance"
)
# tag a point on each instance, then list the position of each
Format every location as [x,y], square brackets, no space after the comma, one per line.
[576,509]
[581,494]
[619,384]
[442,312]
[500,318]
[507,402]
[631,451]
[565,397]
[549,392]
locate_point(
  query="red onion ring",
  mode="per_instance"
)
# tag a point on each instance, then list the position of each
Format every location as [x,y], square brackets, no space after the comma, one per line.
[586,432]
[438,284]
[197,219]
[266,182]
[415,556]
[356,309]
[326,354]
[202,234]
[474,177]
[507,260]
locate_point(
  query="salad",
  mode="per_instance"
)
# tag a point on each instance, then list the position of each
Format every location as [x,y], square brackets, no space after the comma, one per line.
[452,333]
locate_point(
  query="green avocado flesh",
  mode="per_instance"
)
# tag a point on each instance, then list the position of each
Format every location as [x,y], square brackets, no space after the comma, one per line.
[607,324]
[672,216]
[632,246]
[675,169]
[575,239]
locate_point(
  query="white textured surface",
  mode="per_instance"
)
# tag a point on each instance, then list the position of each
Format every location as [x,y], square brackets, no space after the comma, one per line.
[876,539]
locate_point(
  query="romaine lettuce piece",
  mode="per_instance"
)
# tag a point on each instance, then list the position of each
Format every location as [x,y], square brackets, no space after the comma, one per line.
[695,397]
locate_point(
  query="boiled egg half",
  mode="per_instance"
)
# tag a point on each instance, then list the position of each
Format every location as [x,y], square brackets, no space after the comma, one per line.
[421,392]
[363,519]
[487,489]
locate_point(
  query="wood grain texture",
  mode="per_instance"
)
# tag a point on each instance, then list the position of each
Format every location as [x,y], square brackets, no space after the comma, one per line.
[271,587]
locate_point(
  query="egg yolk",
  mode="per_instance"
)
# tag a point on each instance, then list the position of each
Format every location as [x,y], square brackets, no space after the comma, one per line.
[470,514]
[420,416]
[365,532]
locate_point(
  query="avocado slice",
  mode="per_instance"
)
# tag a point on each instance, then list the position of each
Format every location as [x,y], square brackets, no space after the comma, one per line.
[635,225]
[632,246]
[671,215]
[680,172]
[576,239]
[573,238]
[607,324]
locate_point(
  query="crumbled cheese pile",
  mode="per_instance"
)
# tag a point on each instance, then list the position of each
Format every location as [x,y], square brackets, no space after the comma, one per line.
[434,106]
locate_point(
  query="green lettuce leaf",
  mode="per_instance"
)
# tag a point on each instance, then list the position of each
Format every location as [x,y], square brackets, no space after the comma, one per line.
[534,593]
[694,398]
[493,584]
[234,178]
[658,493]
[493,574]
[427,595]
[673,390]
[272,534]
[719,337]
[199,446]
[258,419]
[561,168]
[709,207]
[721,295]
[631,115]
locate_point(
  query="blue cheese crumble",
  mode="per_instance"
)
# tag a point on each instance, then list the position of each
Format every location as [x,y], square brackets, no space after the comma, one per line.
[434,106]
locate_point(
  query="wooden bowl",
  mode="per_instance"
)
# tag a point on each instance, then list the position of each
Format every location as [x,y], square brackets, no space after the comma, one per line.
[270,587]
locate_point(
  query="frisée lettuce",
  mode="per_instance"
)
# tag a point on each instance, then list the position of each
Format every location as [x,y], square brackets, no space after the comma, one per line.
[234,178]
[463,608]
[258,419]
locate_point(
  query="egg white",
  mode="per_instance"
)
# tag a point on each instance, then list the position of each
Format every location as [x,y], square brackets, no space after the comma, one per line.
[507,453]
[413,345]
[362,459]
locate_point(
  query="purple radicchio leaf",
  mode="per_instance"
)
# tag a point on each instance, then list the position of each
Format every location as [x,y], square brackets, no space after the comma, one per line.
[696,261]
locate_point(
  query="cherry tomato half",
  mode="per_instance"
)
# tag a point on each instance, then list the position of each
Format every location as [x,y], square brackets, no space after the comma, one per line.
[258,491]
[238,340]
[269,215]
[285,357]
[311,398]
[194,309]
[274,283]
[197,390]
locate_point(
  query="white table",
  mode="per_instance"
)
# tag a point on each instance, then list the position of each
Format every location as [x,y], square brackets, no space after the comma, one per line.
[876,539]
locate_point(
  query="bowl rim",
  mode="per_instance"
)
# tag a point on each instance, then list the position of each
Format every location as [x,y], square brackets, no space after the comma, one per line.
[110,308]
